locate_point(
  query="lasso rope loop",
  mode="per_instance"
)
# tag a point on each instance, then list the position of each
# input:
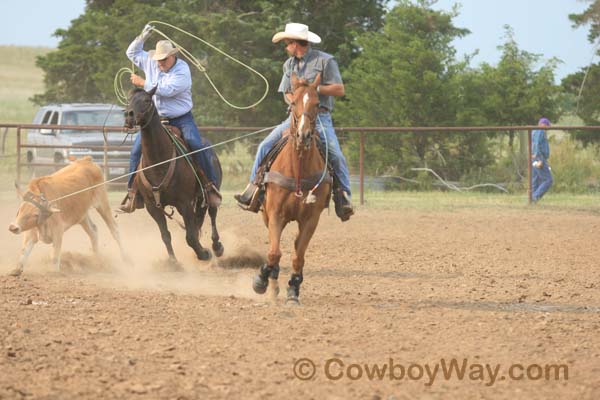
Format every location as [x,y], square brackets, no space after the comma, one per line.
[122,97]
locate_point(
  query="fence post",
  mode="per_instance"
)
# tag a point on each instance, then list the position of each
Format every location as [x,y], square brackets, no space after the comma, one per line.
[105,155]
[362,168]
[19,154]
[529,166]
[4,140]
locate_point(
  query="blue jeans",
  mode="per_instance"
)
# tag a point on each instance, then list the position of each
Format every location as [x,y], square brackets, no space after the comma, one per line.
[189,130]
[541,181]
[336,157]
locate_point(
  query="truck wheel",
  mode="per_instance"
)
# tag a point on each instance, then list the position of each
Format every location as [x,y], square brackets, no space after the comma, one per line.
[59,161]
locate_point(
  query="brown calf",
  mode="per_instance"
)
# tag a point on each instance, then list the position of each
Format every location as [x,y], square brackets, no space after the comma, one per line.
[43,219]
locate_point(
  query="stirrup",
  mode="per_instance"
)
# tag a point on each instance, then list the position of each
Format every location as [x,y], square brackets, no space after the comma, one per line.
[249,199]
[128,204]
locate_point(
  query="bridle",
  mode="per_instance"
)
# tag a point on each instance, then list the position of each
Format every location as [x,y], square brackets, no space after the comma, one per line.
[148,111]
[306,141]
[295,118]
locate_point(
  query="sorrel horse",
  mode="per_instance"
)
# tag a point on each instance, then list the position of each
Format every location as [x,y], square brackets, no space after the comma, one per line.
[298,168]
[171,183]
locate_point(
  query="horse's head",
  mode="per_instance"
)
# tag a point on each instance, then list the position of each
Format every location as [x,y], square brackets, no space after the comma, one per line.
[305,105]
[140,107]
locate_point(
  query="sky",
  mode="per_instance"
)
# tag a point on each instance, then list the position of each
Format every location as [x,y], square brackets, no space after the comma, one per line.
[32,22]
[540,26]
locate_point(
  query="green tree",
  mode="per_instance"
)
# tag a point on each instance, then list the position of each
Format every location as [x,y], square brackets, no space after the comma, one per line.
[584,86]
[516,93]
[406,76]
[590,16]
[92,49]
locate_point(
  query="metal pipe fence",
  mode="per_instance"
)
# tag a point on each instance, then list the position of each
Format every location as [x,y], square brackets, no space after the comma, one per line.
[362,131]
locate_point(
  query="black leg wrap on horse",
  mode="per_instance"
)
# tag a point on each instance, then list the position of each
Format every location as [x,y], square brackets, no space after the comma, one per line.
[294,285]
[274,273]
[261,280]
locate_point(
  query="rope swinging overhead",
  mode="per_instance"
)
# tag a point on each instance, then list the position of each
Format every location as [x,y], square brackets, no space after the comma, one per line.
[120,92]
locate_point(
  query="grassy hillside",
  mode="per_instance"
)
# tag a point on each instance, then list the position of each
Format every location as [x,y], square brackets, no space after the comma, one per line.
[20,79]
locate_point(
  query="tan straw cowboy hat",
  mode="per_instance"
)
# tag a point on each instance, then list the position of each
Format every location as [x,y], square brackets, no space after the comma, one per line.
[297,32]
[164,49]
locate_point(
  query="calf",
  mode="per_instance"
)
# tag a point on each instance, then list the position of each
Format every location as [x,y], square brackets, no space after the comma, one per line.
[42,218]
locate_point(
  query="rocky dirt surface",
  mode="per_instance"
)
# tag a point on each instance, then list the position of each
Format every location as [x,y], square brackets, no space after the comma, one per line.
[387,298]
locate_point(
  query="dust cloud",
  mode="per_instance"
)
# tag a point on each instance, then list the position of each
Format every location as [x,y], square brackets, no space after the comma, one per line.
[229,275]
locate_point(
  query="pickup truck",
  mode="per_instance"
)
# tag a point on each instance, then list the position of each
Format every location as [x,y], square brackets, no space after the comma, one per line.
[78,114]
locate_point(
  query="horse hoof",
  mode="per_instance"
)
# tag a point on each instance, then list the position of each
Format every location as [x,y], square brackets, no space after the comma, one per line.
[259,285]
[204,255]
[16,272]
[175,265]
[292,301]
[218,249]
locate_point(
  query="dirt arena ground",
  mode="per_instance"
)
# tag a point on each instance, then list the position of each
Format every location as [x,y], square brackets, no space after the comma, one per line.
[391,302]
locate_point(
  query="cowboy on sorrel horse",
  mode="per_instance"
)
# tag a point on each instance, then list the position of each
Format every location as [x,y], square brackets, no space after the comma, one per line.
[174,182]
[298,187]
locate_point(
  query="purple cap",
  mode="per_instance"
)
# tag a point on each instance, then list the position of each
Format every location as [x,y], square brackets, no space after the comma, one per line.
[544,121]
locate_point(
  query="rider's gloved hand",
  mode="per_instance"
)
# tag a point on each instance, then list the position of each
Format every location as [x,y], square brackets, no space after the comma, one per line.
[146,32]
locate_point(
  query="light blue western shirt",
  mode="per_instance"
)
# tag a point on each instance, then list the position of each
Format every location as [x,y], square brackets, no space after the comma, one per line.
[173,97]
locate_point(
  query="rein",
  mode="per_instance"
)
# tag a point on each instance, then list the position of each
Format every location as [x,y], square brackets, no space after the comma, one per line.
[310,198]
[298,192]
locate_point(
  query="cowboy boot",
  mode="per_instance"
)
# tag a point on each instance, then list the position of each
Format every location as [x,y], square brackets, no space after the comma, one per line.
[128,204]
[248,199]
[343,207]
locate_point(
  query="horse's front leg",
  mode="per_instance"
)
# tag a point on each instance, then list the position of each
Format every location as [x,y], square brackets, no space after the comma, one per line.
[306,229]
[158,216]
[270,270]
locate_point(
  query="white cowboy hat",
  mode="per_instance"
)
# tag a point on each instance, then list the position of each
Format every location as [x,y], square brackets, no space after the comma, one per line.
[164,49]
[297,32]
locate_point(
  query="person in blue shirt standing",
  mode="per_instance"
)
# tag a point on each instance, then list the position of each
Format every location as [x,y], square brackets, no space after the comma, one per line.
[306,63]
[541,179]
[173,99]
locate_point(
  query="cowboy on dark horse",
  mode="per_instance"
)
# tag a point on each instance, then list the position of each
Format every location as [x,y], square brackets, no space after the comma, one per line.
[306,63]
[171,77]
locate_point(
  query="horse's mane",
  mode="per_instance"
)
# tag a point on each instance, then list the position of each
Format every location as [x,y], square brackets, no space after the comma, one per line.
[302,82]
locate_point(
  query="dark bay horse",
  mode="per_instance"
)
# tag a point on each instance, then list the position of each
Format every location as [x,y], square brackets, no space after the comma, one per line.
[171,183]
[298,168]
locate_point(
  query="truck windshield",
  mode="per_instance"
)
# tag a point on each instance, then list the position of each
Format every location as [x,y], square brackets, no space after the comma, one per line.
[112,117]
